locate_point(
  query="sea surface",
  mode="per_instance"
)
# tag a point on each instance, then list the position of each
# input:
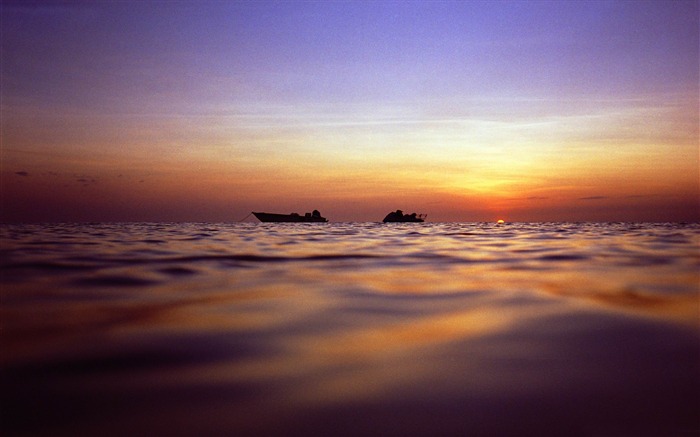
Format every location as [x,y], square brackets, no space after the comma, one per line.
[350,329]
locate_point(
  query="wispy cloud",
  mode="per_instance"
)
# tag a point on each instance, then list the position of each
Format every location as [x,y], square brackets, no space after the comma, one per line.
[85,180]
[593,198]
[22,173]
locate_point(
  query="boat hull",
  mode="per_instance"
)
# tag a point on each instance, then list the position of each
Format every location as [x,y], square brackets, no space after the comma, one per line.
[400,217]
[267,217]
[408,220]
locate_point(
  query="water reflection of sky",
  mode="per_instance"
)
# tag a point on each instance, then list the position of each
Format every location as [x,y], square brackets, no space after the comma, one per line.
[351,329]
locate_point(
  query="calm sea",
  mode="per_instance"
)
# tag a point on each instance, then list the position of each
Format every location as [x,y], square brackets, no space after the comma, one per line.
[350,329]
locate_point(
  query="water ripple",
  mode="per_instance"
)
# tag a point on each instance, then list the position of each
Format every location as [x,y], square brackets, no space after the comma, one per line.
[355,328]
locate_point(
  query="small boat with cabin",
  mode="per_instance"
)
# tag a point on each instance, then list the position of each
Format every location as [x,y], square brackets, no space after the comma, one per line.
[399,217]
[309,217]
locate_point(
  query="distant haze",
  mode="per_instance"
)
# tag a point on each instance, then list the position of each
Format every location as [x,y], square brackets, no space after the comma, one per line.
[465,110]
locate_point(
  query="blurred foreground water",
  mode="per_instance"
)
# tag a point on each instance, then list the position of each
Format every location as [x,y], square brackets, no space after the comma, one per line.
[350,329]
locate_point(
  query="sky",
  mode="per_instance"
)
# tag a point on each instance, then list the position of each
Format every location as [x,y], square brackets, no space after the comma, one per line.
[466,111]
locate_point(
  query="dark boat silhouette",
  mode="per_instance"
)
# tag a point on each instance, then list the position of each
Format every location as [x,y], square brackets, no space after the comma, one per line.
[309,217]
[399,217]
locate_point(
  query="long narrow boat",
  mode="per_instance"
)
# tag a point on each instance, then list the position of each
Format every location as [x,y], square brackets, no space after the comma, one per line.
[309,217]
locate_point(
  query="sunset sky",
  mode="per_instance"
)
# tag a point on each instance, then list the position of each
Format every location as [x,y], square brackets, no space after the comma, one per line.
[466,111]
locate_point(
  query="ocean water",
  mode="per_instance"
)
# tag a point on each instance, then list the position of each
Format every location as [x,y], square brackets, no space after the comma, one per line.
[576,329]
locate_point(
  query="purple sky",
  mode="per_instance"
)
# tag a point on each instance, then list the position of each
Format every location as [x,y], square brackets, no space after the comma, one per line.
[449,107]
